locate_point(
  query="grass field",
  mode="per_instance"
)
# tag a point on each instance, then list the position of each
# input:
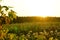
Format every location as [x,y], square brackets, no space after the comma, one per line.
[34,25]
[32,31]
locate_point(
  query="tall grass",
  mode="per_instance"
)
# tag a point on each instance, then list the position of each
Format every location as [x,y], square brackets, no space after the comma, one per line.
[35,26]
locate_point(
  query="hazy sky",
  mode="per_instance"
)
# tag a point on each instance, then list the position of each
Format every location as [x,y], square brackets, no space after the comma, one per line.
[34,7]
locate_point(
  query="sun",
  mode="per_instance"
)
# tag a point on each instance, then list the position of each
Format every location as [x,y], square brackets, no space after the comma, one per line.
[43,16]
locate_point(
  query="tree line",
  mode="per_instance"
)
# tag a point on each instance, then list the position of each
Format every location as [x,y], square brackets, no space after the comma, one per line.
[36,19]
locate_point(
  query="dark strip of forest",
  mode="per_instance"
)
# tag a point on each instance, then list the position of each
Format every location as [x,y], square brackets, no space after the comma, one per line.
[36,19]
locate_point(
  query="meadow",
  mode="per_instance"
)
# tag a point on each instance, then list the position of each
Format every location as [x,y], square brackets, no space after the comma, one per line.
[31,31]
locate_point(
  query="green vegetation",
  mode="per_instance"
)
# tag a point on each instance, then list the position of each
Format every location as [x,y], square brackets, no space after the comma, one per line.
[31,31]
[27,28]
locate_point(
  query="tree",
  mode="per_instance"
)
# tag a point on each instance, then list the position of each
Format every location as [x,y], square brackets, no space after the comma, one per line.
[1,11]
[11,14]
[6,19]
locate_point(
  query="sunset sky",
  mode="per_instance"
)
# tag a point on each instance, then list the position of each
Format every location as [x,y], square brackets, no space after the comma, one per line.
[34,7]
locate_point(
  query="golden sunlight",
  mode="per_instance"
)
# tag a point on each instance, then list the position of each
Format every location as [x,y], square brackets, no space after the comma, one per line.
[34,7]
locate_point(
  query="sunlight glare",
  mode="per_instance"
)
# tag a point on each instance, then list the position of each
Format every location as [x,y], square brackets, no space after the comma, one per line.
[34,7]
